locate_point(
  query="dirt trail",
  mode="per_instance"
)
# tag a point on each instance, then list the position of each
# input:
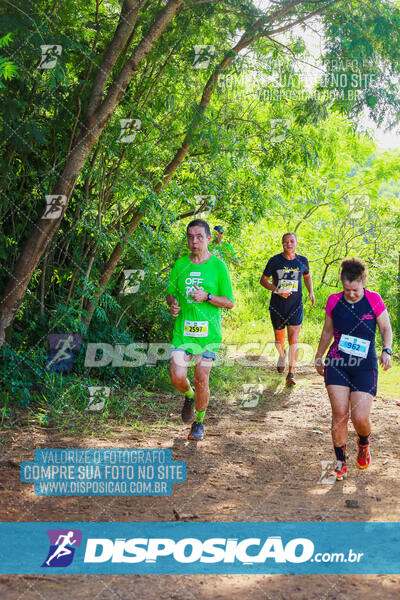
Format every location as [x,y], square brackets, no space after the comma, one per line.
[258,464]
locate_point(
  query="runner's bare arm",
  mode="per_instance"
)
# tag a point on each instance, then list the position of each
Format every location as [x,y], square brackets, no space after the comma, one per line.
[269,285]
[309,285]
[201,296]
[221,302]
[326,337]
[173,305]
[385,330]
[265,282]
[170,299]
[325,340]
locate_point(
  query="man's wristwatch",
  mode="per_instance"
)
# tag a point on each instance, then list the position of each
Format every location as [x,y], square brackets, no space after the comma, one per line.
[209,297]
[388,351]
[319,361]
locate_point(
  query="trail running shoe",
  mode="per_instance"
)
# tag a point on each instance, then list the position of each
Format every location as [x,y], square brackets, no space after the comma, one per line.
[280,367]
[340,470]
[364,456]
[187,412]
[290,380]
[196,432]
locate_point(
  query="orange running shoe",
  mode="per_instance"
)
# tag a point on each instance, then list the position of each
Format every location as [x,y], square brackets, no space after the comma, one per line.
[340,470]
[290,380]
[364,456]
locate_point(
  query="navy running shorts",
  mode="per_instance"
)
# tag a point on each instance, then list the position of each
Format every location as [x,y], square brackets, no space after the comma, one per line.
[280,320]
[358,380]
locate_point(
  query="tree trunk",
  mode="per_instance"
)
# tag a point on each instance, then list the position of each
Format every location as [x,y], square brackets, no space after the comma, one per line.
[112,263]
[255,32]
[43,284]
[87,275]
[398,291]
[95,120]
[75,273]
[176,161]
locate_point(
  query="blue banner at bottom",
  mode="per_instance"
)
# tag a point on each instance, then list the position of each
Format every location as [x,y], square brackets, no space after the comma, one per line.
[196,548]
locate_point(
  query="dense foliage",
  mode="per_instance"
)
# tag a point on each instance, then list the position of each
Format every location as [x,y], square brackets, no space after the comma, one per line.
[255,161]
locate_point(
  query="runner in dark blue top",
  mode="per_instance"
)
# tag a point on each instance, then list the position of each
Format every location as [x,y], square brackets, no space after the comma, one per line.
[351,365]
[286,305]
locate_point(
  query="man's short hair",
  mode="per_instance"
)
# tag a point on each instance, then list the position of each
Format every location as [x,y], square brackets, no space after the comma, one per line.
[288,233]
[199,223]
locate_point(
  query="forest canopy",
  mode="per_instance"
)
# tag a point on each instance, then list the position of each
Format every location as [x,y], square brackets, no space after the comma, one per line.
[121,121]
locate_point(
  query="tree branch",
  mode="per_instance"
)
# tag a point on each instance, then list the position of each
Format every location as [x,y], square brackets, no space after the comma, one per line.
[118,87]
[190,4]
[294,23]
[127,20]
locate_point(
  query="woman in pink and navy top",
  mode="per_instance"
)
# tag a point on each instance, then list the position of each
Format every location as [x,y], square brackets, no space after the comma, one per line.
[350,368]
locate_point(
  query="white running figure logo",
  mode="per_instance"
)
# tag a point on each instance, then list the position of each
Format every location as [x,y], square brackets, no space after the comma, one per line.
[62,550]
[67,344]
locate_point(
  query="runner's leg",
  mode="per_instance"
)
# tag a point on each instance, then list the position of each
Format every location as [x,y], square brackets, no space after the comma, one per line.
[178,367]
[280,341]
[201,380]
[178,370]
[339,397]
[201,397]
[361,403]
[280,346]
[293,339]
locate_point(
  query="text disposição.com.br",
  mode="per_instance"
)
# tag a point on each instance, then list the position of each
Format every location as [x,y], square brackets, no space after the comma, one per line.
[212,550]
[337,557]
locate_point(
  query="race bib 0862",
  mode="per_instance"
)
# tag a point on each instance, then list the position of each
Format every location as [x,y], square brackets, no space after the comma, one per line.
[195,328]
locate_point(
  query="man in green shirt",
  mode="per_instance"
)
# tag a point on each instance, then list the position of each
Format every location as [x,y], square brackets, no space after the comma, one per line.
[199,286]
[221,248]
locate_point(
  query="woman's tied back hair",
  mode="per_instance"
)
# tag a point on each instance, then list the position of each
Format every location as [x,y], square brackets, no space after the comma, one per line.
[353,269]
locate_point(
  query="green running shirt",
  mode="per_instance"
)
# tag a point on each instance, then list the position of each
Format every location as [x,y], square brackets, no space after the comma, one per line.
[198,325]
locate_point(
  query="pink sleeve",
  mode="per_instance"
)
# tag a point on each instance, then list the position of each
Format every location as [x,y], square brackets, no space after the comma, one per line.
[332,301]
[376,302]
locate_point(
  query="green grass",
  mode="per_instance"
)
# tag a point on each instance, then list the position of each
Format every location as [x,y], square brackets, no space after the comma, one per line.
[62,402]
[261,331]
[389,382]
